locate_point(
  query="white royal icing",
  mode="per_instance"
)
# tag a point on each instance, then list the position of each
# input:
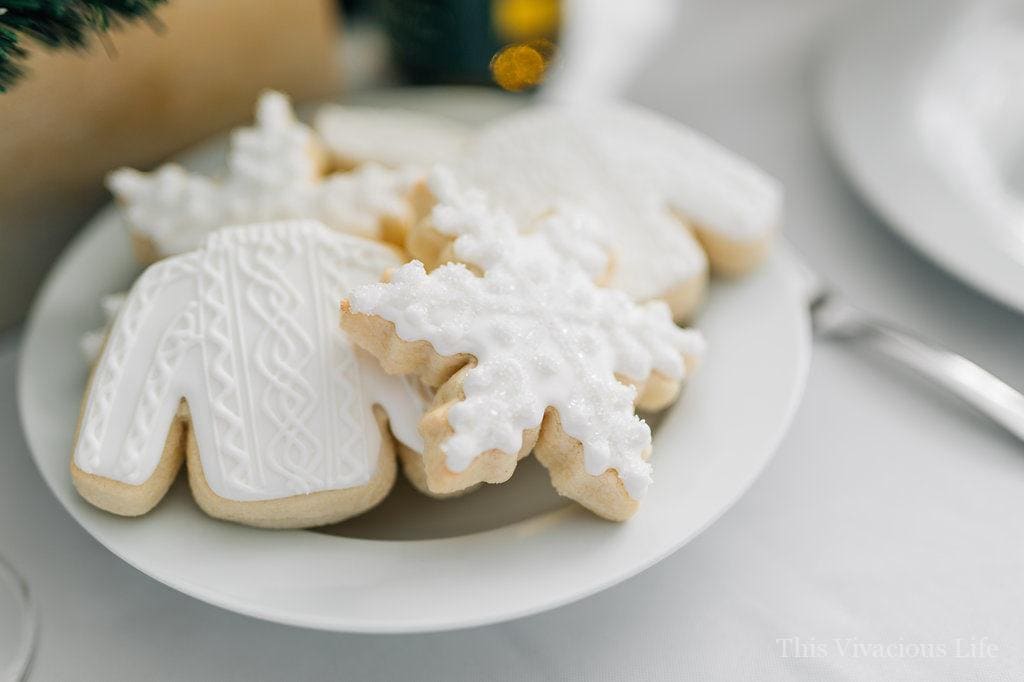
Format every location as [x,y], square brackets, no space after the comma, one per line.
[394,137]
[245,330]
[463,211]
[636,171]
[92,341]
[274,173]
[543,335]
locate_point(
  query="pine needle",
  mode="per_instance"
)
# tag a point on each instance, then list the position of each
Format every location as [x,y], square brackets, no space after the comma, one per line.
[58,24]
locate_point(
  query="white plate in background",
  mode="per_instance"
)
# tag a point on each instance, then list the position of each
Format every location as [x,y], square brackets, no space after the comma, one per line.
[910,102]
[416,564]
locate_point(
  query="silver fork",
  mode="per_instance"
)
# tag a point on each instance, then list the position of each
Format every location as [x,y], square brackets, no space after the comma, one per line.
[833,318]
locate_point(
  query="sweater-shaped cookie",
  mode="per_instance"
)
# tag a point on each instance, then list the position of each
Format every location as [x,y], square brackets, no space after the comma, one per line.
[276,171]
[668,199]
[230,357]
[528,353]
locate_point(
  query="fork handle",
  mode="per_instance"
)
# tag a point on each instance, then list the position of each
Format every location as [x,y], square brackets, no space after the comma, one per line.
[961,377]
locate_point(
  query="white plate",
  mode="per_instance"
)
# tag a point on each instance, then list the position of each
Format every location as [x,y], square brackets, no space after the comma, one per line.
[872,89]
[415,564]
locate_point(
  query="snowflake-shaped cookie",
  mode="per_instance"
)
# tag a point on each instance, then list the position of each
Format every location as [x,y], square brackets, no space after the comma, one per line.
[463,211]
[529,350]
[275,171]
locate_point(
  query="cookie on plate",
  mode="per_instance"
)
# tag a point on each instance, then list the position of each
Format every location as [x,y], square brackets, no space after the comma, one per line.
[394,137]
[527,354]
[459,210]
[277,170]
[229,360]
[668,200]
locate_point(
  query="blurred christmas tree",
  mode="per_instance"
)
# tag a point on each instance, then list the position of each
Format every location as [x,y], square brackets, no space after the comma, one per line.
[59,23]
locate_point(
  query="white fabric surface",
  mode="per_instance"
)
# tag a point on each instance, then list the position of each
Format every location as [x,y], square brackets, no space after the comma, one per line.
[889,515]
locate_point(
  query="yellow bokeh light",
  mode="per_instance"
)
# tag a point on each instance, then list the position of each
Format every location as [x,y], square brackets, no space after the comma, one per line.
[518,67]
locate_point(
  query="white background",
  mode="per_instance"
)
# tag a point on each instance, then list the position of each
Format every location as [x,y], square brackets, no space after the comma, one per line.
[890,514]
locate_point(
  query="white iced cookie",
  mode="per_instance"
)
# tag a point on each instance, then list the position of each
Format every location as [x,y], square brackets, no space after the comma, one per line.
[530,354]
[393,137]
[667,199]
[460,210]
[275,172]
[91,343]
[230,357]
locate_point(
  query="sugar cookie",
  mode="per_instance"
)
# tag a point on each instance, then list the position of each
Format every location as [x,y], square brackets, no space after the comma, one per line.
[460,211]
[668,199]
[530,354]
[393,137]
[230,358]
[276,170]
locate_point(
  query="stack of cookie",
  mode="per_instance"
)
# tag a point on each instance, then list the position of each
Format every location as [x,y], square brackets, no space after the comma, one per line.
[506,291]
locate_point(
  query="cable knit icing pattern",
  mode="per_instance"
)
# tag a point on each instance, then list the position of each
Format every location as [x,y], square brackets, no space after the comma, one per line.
[638,173]
[275,172]
[245,331]
[543,334]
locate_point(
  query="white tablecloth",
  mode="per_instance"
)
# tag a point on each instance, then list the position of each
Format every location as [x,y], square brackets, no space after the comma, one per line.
[890,517]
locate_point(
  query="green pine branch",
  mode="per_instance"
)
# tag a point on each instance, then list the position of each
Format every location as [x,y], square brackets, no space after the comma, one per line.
[58,24]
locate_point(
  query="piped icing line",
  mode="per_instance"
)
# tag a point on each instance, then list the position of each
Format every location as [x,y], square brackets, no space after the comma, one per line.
[642,175]
[543,334]
[244,330]
[92,341]
[275,172]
